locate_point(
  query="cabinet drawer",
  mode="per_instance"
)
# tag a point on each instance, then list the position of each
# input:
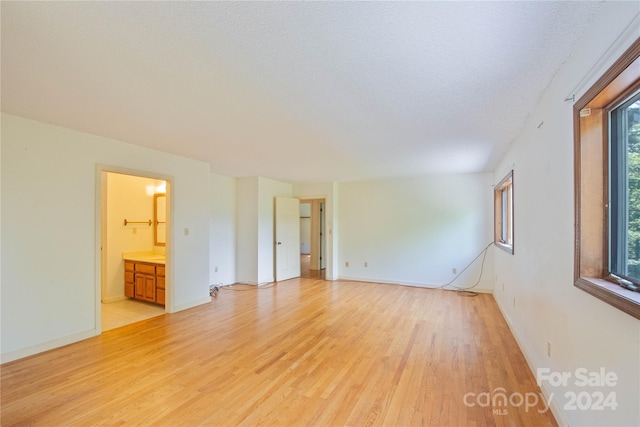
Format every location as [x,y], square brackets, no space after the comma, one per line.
[160,282]
[160,296]
[129,290]
[128,276]
[160,270]
[145,268]
[128,266]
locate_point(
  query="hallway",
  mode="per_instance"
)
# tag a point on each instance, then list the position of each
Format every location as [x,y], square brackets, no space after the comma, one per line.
[306,272]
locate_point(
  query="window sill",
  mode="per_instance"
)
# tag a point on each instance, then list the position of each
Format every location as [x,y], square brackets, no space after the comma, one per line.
[615,295]
[504,247]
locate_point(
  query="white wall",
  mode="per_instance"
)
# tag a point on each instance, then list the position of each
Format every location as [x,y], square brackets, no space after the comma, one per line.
[127,197]
[305,235]
[268,190]
[247,230]
[414,231]
[255,227]
[305,228]
[222,230]
[1,323]
[584,332]
[50,289]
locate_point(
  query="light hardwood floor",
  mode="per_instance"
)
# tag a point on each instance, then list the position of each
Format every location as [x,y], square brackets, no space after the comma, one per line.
[302,352]
[305,270]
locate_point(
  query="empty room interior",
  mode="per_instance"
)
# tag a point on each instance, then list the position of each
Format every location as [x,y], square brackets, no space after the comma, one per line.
[320,213]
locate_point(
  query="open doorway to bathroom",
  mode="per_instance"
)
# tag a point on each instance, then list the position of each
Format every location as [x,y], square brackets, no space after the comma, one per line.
[312,238]
[133,285]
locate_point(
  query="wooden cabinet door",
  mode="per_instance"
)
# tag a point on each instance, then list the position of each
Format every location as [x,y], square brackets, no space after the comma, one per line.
[141,282]
[129,284]
[129,279]
[129,289]
[150,288]
[160,295]
[160,298]
[140,285]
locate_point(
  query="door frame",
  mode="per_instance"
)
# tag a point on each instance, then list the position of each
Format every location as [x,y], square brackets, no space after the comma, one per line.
[315,242]
[101,231]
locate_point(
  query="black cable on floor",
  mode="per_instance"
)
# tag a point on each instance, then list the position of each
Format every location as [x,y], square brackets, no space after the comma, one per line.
[461,291]
[466,291]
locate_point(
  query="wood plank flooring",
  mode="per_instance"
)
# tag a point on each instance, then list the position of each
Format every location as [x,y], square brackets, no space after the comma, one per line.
[301,352]
[306,271]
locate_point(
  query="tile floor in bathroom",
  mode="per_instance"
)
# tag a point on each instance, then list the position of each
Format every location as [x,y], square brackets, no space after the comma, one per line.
[128,311]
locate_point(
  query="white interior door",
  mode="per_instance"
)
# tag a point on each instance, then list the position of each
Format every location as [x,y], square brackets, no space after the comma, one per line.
[287,242]
[323,238]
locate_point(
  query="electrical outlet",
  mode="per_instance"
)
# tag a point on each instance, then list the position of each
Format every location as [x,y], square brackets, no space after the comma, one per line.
[454,270]
[366,264]
[346,264]
[135,230]
[503,286]
[186,231]
[548,349]
[216,269]
[514,302]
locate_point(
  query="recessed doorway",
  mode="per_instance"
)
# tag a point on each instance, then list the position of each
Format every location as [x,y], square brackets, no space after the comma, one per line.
[133,235]
[312,238]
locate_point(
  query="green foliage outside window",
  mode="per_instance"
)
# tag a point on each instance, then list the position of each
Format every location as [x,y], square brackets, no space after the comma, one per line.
[634,190]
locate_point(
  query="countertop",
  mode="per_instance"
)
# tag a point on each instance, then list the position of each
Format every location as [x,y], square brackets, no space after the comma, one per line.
[152,257]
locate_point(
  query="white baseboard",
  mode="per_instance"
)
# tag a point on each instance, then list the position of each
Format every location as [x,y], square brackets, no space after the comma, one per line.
[191,304]
[49,345]
[555,410]
[114,299]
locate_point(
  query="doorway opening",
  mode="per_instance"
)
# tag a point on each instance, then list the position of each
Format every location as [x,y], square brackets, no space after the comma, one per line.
[312,238]
[134,247]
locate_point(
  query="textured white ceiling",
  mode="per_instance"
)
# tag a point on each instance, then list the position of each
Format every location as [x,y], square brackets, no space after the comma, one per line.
[300,92]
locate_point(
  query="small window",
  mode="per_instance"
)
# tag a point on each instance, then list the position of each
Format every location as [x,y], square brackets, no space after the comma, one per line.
[503,213]
[624,193]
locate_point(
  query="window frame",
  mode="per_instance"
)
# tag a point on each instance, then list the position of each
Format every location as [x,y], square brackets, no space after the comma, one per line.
[503,212]
[618,177]
[591,185]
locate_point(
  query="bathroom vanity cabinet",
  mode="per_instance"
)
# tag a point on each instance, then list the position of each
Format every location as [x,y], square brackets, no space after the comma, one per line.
[144,281]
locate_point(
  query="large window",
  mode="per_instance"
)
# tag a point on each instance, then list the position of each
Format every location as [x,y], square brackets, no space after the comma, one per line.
[503,213]
[607,186]
[624,193]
